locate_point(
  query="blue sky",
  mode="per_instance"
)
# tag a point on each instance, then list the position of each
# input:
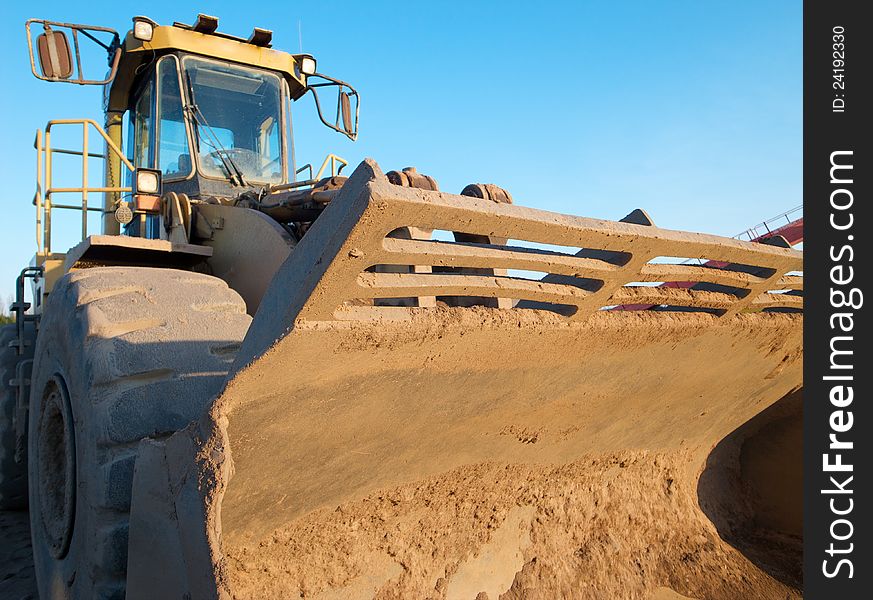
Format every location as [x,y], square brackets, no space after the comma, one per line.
[691,110]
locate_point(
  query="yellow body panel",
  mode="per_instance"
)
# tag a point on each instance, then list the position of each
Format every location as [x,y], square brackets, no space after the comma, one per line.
[53,269]
[169,38]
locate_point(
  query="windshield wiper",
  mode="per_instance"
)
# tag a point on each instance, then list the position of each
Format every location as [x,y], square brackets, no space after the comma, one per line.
[233,171]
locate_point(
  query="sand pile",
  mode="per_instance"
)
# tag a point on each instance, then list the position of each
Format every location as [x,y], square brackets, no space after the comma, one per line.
[626,525]
[419,465]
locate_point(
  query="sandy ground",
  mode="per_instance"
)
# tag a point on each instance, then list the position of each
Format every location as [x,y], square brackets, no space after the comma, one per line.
[588,485]
[625,525]
[620,526]
[16,564]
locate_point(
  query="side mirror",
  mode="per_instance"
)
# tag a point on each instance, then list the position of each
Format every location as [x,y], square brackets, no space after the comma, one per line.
[53,51]
[347,104]
[346,110]
[58,61]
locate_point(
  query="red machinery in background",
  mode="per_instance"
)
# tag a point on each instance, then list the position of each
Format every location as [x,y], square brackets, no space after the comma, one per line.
[787,225]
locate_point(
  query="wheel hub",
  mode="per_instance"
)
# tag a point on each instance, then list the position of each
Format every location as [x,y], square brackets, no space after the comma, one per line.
[56,460]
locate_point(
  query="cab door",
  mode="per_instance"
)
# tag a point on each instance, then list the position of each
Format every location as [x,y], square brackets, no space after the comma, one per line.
[141,150]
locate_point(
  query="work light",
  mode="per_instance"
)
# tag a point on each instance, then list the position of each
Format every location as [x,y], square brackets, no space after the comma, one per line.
[143,28]
[148,181]
[307,65]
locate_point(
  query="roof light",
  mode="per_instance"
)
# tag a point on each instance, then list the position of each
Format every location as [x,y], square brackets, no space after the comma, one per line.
[205,24]
[261,37]
[307,65]
[143,28]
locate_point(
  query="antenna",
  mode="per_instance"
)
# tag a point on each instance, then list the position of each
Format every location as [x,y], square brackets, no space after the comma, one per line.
[300,35]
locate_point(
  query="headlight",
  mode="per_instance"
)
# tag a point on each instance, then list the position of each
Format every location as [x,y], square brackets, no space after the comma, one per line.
[148,181]
[307,65]
[143,29]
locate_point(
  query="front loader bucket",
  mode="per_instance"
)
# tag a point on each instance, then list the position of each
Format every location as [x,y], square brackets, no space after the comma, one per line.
[550,449]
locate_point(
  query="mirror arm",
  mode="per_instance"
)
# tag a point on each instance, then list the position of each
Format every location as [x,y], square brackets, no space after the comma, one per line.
[112,46]
[113,49]
[332,82]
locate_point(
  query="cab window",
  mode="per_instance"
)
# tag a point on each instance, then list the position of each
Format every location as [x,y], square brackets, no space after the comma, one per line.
[174,152]
[237,120]
[143,124]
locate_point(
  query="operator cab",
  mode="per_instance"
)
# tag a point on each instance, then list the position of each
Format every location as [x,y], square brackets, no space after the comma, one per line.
[208,120]
[213,129]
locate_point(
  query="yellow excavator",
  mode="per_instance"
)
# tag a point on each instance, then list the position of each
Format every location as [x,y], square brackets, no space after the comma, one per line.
[264,380]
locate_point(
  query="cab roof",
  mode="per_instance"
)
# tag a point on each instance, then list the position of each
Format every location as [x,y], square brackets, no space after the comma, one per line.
[178,37]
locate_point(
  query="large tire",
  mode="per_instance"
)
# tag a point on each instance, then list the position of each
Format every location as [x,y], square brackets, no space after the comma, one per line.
[123,354]
[13,475]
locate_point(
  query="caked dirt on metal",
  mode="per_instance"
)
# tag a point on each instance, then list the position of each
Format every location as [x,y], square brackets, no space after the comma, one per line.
[418,481]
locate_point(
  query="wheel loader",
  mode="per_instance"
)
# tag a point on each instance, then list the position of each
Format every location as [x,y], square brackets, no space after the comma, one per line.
[265,380]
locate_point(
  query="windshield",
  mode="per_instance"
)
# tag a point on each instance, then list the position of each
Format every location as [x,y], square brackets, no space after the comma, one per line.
[236,119]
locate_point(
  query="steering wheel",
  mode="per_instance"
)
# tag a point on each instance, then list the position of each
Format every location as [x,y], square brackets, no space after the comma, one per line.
[267,168]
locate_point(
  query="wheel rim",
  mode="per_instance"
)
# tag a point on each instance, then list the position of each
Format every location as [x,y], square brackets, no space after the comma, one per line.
[56,461]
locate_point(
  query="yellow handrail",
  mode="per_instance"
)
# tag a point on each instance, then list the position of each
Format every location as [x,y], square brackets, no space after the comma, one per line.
[37,197]
[333,159]
[45,188]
